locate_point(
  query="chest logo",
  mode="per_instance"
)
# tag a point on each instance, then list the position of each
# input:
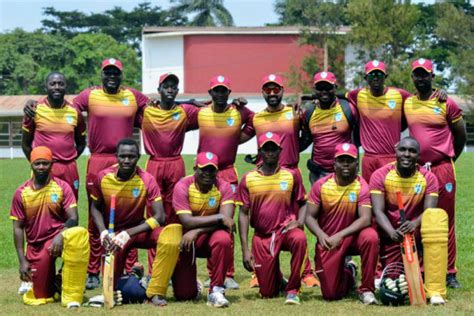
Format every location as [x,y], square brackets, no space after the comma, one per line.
[230,121]
[126,102]
[417,188]
[135,192]
[449,187]
[69,119]
[284,185]
[175,116]
[338,117]
[352,197]
[54,197]
[289,115]
[437,110]
[392,104]
[212,201]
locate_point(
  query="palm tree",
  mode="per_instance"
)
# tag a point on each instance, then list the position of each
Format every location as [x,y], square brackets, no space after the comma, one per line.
[208,12]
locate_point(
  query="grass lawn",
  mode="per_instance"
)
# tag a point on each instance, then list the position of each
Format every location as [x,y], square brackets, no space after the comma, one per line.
[244,301]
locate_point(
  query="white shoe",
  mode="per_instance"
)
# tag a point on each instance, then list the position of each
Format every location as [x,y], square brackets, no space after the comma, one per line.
[73,305]
[437,300]
[24,287]
[377,283]
[367,298]
[217,298]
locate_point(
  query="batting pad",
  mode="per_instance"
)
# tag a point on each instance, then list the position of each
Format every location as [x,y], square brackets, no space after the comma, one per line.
[76,257]
[434,234]
[167,253]
[30,299]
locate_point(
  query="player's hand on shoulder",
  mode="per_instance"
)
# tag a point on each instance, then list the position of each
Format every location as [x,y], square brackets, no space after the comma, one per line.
[56,247]
[188,239]
[441,95]
[248,260]
[240,102]
[153,102]
[30,108]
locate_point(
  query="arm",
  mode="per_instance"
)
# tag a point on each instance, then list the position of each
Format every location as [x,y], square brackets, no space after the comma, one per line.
[378,206]
[244,223]
[19,239]
[26,143]
[244,137]
[365,214]
[459,137]
[192,222]
[312,213]
[72,219]
[80,140]
[158,216]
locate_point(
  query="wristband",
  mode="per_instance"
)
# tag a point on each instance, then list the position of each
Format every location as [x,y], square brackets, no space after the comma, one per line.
[104,233]
[152,222]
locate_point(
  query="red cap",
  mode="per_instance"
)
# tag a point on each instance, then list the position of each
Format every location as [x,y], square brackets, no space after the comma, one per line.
[324,76]
[219,81]
[269,137]
[375,65]
[426,64]
[112,62]
[207,158]
[272,78]
[163,77]
[346,149]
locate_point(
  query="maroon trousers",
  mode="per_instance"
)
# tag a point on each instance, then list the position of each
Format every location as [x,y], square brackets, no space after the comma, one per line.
[67,171]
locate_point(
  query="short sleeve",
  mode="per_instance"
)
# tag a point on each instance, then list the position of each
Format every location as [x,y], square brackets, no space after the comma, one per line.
[364,194]
[28,124]
[405,94]
[191,115]
[453,112]
[142,100]
[95,189]
[17,210]
[315,193]
[81,102]
[377,182]
[227,194]
[181,198]
[69,200]
[432,185]
[243,195]
[352,96]
[153,193]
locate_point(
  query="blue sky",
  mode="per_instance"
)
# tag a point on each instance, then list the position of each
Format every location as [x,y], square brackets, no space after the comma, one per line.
[27,14]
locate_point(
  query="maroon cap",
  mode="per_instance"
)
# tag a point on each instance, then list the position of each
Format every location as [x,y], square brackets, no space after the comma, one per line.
[112,62]
[207,158]
[324,76]
[269,137]
[219,81]
[163,77]
[426,64]
[272,78]
[346,149]
[375,65]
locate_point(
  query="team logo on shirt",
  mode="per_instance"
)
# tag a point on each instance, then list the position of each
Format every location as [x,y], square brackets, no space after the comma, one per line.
[338,117]
[284,185]
[212,201]
[392,104]
[230,121]
[69,119]
[76,184]
[449,187]
[54,197]
[126,101]
[437,110]
[135,192]
[418,188]
[175,116]
[352,197]
[289,115]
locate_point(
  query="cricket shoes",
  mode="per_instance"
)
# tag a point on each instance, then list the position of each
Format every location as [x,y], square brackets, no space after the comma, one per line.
[73,305]
[367,298]
[158,300]
[292,299]
[437,300]
[452,282]
[93,281]
[231,284]
[24,287]
[253,281]
[310,281]
[217,298]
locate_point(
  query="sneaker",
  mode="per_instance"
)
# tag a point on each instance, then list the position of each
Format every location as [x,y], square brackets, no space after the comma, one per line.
[452,281]
[207,283]
[217,298]
[437,300]
[311,281]
[283,284]
[377,282]
[24,287]
[367,298]
[254,281]
[93,281]
[200,289]
[158,300]
[73,305]
[351,265]
[292,299]
[231,284]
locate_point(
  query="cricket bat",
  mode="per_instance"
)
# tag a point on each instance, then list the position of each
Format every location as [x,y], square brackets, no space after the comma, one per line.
[109,262]
[416,291]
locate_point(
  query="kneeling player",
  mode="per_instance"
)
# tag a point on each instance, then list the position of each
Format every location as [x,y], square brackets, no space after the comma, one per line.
[339,215]
[44,209]
[419,189]
[204,205]
[268,194]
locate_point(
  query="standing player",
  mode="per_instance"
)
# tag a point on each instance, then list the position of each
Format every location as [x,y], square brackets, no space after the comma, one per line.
[268,194]
[205,207]
[439,127]
[61,127]
[44,210]
[339,214]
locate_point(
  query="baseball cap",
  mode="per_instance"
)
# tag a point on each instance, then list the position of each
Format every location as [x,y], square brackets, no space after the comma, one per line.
[324,76]
[219,81]
[272,78]
[346,149]
[112,62]
[163,77]
[207,158]
[41,152]
[269,137]
[375,65]
[426,64]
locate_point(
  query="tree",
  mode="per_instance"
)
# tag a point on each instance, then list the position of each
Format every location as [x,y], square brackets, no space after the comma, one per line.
[207,12]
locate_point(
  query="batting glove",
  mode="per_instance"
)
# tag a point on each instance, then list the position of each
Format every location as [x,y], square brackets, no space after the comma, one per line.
[121,239]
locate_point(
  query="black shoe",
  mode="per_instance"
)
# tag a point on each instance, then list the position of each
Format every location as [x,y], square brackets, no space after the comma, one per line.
[452,282]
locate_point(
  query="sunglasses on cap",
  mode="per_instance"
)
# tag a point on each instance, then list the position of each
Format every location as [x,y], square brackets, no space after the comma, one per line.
[275,89]
[376,74]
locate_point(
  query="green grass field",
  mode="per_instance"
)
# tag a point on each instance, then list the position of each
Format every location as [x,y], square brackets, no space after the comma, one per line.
[244,301]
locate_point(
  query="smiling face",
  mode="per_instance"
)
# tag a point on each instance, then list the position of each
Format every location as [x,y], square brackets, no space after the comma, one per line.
[111,79]
[56,87]
[272,93]
[325,92]
[407,153]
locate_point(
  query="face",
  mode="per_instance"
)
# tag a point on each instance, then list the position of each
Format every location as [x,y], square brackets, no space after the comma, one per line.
[206,175]
[270,153]
[168,90]
[407,153]
[220,95]
[111,78]
[41,168]
[272,93]
[422,79]
[56,87]
[376,79]
[325,92]
[345,166]
[127,157]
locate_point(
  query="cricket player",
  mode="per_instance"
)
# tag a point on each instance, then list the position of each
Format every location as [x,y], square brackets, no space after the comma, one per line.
[205,206]
[267,196]
[135,189]
[44,211]
[419,189]
[60,126]
[440,130]
[339,214]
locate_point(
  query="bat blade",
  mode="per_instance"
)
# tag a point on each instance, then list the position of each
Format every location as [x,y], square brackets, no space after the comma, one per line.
[109,262]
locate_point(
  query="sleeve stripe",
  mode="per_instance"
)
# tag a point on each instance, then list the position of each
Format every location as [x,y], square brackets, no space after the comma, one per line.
[433,194]
[311,202]
[94,197]
[157,199]
[25,129]
[239,203]
[228,202]
[367,205]
[456,119]
[14,218]
[72,205]
[183,212]
[376,191]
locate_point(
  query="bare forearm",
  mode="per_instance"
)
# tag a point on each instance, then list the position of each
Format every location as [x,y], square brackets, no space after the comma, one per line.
[383,222]
[193,222]
[355,227]
[19,240]
[97,218]
[302,215]
[313,226]
[244,230]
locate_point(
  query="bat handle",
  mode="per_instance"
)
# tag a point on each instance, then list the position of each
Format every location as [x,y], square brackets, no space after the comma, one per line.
[113,200]
[400,207]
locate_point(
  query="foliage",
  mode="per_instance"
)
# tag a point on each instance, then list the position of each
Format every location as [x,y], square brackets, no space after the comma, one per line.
[207,12]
